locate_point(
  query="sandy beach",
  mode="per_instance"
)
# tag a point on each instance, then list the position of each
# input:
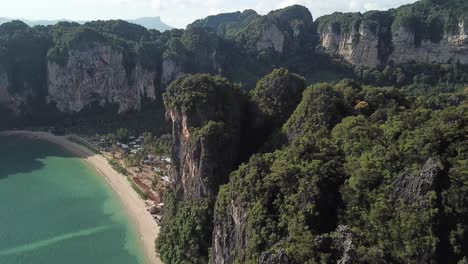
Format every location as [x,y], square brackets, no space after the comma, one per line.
[135,206]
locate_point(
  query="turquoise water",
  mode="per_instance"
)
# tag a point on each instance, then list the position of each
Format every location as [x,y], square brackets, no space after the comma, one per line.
[55,209]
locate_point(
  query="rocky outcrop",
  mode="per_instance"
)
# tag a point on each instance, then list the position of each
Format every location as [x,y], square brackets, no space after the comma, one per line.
[274,258]
[205,112]
[272,38]
[361,49]
[98,75]
[230,234]
[341,244]
[370,44]
[5,98]
[415,189]
[344,242]
[171,70]
[12,102]
[452,48]
[202,130]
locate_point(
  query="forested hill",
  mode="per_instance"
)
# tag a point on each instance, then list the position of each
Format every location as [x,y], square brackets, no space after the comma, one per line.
[69,68]
[330,173]
[147,22]
[339,140]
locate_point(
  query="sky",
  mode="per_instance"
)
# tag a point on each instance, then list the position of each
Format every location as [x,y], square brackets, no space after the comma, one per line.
[177,13]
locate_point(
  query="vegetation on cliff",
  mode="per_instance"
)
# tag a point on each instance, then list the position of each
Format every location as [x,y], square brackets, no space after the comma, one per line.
[206,115]
[427,20]
[22,56]
[349,148]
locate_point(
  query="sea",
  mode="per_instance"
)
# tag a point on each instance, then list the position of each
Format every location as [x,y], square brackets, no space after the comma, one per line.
[56,209]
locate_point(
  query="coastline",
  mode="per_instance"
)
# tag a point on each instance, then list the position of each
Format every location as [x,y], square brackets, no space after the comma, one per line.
[147,228]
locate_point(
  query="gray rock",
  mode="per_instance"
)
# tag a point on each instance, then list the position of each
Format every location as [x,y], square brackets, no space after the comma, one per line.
[98,75]
[361,46]
[274,258]
[344,243]
[414,188]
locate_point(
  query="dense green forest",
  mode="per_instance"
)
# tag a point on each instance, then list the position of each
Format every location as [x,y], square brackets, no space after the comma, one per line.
[228,45]
[380,164]
[282,152]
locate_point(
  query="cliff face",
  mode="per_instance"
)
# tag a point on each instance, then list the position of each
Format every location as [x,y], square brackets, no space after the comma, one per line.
[452,48]
[171,70]
[201,133]
[230,232]
[205,112]
[378,38]
[272,38]
[362,50]
[12,102]
[5,99]
[98,76]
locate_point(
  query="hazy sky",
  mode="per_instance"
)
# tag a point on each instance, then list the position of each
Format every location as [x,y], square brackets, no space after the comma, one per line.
[176,13]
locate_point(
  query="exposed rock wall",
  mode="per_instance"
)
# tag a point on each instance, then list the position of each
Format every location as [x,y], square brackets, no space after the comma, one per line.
[171,70]
[415,188]
[10,101]
[453,48]
[359,51]
[363,46]
[98,75]
[272,38]
[230,234]
[201,134]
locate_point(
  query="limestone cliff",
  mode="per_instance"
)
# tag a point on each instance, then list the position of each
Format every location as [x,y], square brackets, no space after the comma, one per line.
[360,48]
[5,98]
[98,76]
[201,132]
[286,31]
[452,48]
[14,103]
[205,112]
[422,32]
[273,38]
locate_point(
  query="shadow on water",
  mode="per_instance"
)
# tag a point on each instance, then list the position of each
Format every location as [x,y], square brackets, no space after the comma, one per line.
[19,154]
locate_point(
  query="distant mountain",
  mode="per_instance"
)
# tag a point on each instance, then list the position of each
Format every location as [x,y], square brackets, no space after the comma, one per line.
[147,22]
[151,23]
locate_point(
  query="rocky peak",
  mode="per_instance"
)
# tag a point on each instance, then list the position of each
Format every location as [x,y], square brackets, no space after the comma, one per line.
[205,115]
[415,188]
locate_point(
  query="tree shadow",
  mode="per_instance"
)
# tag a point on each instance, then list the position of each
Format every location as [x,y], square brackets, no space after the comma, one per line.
[22,155]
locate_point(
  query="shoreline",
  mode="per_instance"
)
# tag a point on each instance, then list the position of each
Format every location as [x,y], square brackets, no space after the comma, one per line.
[146,226]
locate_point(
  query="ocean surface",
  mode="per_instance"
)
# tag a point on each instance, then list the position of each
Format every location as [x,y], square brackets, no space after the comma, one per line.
[56,209]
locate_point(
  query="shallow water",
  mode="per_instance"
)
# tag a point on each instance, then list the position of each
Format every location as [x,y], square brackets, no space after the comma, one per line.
[54,208]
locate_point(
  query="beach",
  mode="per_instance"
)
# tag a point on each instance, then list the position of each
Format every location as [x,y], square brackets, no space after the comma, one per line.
[135,206]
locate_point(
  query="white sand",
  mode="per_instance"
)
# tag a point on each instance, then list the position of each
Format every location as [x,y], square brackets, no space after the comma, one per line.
[135,206]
